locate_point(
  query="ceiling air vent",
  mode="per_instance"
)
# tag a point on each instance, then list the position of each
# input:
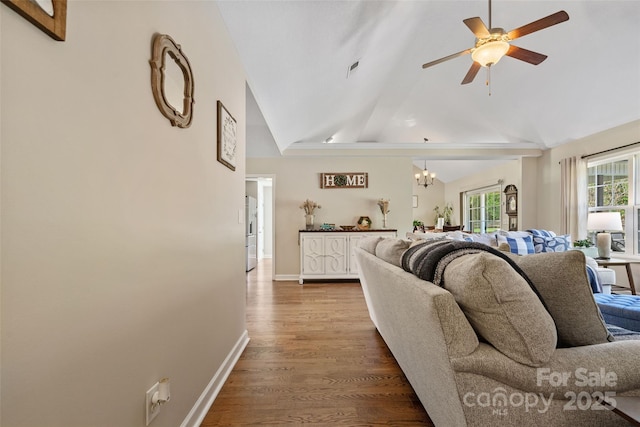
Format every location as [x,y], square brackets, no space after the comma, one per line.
[352,68]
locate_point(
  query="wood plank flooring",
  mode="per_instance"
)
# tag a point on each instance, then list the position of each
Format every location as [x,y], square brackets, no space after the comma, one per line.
[314,358]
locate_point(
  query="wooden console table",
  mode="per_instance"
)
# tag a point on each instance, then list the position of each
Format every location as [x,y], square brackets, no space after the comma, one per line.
[627,265]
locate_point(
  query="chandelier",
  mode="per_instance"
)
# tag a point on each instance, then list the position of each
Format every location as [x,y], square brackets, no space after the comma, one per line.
[427,178]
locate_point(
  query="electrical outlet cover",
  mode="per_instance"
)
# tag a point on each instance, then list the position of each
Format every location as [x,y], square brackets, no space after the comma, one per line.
[150,411]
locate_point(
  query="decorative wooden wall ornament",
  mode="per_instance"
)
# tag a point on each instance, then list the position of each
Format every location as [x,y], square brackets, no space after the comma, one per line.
[164,47]
[53,23]
[344,180]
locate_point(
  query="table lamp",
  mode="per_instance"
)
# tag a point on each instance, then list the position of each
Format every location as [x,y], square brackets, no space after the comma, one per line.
[602,223]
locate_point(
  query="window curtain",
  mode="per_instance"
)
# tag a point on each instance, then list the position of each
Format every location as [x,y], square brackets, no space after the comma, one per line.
[573,197]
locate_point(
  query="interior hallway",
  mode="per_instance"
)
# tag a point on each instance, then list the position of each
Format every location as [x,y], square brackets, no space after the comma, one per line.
[314,358]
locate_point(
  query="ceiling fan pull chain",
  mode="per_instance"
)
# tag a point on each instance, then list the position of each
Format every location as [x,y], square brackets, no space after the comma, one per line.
[489,78]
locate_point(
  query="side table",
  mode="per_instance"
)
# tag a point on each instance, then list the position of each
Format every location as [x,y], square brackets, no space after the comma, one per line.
[620,262]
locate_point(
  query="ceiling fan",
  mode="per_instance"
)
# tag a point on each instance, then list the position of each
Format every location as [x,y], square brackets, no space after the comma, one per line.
[493,43]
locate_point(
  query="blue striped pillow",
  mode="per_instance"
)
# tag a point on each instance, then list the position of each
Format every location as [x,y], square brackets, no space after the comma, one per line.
[542,233]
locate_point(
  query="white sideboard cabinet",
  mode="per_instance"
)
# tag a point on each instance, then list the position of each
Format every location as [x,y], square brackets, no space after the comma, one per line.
[331,254]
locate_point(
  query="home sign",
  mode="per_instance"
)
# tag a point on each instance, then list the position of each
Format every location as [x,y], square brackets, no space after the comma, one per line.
[344,180]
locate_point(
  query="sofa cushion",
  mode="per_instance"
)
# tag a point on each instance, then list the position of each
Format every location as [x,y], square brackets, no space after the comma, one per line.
[370,243]
[518,245]
[488,239]
[502,307]
[561,280]
[430,235]
[512,233]
[391,250]
[551,244]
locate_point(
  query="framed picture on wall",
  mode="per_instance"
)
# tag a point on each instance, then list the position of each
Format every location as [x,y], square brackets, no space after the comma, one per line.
[227,142]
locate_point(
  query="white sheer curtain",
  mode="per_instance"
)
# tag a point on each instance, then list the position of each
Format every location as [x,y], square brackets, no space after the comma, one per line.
[573,197]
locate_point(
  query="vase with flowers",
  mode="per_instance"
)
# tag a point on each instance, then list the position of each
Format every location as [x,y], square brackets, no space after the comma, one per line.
[383,204]
[309,207]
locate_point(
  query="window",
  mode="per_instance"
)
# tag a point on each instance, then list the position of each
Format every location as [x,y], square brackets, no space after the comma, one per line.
[482,210]
[610,188]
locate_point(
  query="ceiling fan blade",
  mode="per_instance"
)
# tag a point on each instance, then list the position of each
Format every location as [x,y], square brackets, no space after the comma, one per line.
[538,25]
[471,74]
[525,55]
[477,27]
[446,58]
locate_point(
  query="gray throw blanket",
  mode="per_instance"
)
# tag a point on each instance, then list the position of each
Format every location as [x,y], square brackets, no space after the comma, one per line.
[429,260]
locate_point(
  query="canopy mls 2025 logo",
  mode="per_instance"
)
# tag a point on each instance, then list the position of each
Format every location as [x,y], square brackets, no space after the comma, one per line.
[344,180]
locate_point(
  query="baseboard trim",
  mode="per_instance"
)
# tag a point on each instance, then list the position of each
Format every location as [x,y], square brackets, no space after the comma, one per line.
[199,411]
[286,277]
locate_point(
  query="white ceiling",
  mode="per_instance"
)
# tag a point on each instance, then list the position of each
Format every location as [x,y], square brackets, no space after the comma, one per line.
[297,54]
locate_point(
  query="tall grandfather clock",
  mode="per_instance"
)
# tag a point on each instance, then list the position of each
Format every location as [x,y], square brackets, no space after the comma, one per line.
[511,197]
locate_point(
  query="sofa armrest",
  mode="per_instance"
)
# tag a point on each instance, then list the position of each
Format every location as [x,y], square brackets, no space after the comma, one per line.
[601,367]
[423,327]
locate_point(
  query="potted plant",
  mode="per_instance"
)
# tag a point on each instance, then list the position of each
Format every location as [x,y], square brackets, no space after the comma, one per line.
[586,246]
[447,211]
[445,214]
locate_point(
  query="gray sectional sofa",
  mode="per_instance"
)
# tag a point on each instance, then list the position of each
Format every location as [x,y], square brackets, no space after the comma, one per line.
[530,366]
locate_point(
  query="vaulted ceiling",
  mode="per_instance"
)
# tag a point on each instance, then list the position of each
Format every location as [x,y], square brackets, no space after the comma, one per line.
[297,56]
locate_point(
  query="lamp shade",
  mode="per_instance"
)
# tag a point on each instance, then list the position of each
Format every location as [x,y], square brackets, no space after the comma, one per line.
[604,221]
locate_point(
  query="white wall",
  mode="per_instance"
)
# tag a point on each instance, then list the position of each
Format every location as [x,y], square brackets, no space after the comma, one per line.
[298,178]
[122,254]
[267,223]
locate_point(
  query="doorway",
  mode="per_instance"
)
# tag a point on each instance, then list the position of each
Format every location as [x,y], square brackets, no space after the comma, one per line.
[262,187]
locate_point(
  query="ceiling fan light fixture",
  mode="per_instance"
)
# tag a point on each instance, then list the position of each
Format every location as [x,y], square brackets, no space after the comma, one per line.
[490,53]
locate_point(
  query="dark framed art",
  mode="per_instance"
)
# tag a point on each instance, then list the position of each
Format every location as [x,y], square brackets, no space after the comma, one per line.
[48,15]
[227,134]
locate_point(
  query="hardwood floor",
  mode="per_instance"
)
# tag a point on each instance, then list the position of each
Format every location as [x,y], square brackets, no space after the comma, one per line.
[314,358]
